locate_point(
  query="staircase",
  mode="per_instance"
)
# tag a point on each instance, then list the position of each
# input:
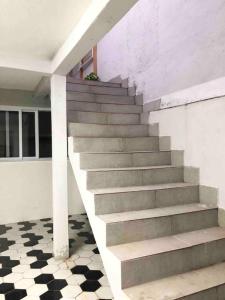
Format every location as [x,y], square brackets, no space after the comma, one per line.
[156,239]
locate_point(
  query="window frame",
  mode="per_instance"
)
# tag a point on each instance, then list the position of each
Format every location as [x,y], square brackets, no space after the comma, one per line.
[20,110]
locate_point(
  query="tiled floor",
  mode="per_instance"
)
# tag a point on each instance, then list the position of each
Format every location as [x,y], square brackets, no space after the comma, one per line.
[28,271]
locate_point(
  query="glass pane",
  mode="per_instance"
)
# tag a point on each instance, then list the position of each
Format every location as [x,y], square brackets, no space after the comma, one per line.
[2,134]
[13,134]
[45,134]
[28,133]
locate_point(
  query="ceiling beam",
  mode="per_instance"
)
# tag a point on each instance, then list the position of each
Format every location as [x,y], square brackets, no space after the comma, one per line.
[99,18]
[38,66]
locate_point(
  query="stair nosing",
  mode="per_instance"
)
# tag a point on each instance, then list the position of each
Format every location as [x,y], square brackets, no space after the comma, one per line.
[101,83]
[177,237]
[102,112]
[183,277]
[153,187]
[118,137]
[106,103]
[134,168]
[93,93]
[132,218]
[128,125]
[126,152]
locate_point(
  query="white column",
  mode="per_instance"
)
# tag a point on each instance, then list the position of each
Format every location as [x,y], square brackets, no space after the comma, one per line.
[59,167]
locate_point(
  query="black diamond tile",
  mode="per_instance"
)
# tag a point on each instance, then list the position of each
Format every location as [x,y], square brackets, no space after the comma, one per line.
[57,284]
[16,295]
[90,286]
[4,272]
[96,251]
[26,226]
[34,253]
[45,220]
[44,278]
[10,264]
[76,224]
[44,256]
[51,295]
[4,229]
[31,243]
[4,259]
[3,244]
[80,269]
[38,264]
[6,287]
[48,225]
[93,275]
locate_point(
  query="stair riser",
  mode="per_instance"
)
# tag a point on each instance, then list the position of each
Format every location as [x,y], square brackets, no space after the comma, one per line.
[215,293]
[95,160]
[116,144]
[95,130]
[162,265]
[108,108]
[131,201]
[136,230]
[94,98]
[102,118]
[120,178]
[102,90]
[92,83]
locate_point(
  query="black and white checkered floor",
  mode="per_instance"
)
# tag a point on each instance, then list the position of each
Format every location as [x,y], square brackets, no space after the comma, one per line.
[28,271]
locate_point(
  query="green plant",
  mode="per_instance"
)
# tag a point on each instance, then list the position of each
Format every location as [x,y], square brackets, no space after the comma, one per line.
[92,76]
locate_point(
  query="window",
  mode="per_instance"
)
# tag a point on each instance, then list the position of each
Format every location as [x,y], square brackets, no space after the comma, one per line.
[25,133]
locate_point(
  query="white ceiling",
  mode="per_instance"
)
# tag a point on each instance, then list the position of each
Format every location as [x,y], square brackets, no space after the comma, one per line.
[42,37]
[19,79]
[37,28]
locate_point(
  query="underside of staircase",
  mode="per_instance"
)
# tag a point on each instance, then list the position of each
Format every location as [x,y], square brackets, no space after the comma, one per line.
[156,239]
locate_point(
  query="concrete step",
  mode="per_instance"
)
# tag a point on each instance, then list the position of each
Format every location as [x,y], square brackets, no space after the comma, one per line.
[147,224]
[99,130]
[119,177]
[104,107]
[203,284]
[148,260]
[101,90]
[102,118]
[150,143]
[97,98]
[125,159]
[131,198]
[70,79]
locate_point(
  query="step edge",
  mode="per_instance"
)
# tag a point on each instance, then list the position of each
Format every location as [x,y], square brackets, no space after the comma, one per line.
[158,216]
[134,168]
[185,245]
[133,105]
[155,189]
[174,278]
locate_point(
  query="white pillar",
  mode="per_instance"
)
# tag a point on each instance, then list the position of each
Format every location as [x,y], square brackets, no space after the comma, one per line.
[59,167]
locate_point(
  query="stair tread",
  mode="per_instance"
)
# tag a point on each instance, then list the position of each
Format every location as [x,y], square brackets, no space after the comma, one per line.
[179,286]
[144,248]
[114,125]
[102,112]
[73,80]
[106,103]
[132,168]
[154,213]
[127,152]
[141,188]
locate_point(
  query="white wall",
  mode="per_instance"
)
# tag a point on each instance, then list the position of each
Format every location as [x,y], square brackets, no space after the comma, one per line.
[199,129]
[165,46]
[26,191]
[22,98]
[26,186]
